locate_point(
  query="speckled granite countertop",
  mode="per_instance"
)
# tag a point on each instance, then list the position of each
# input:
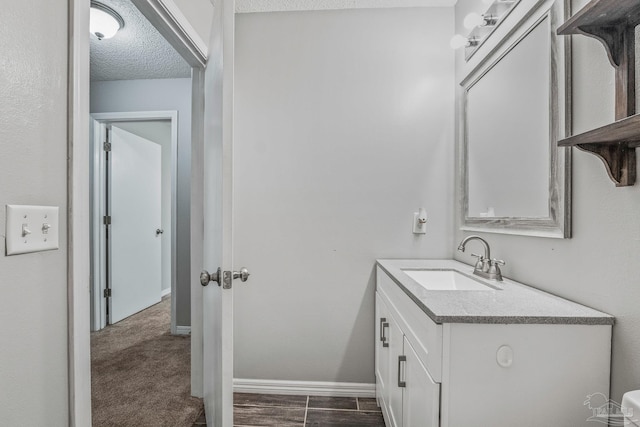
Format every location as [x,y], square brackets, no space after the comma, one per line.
[513,303]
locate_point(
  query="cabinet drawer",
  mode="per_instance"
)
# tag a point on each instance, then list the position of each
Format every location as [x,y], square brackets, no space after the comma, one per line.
[423,333]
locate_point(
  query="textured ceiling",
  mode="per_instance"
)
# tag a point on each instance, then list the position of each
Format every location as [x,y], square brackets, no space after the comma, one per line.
[250,6]
[137,51]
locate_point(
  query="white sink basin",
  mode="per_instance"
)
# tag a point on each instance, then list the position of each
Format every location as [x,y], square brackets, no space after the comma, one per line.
[446,280]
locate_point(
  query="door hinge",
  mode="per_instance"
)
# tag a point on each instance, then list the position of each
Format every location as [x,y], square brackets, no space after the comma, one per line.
[107,220]
[107,293]
[107,146]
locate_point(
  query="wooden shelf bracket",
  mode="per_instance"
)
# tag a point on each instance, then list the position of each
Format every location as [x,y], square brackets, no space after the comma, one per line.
[611,37]
[620,44]
[613,23]
[619,160]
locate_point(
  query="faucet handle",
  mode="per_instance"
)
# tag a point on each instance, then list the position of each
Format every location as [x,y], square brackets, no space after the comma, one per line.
[480,263]
[494,269]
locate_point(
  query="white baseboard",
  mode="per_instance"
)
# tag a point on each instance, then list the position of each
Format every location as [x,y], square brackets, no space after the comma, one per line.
[165,292]
[183,330]
[304,388]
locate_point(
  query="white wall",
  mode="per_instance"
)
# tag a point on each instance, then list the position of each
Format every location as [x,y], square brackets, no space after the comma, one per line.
[343,128]
[159,132]
[598,267]
[33,170]
[156,95]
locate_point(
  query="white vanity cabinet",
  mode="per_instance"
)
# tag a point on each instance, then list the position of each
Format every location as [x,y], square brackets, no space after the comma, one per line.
[382,356]
[413,396]
[406,391]
[484,372]
[420,394]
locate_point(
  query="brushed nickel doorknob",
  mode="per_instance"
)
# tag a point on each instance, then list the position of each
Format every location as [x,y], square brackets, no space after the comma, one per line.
[243,274]
[206,277]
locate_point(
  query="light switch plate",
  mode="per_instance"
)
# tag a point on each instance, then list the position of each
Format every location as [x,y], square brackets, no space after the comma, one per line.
[31,229]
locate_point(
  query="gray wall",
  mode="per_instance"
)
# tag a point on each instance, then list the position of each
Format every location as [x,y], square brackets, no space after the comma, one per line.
[598,267]
[33,170]
[198,13]
[155,95]
[344,127]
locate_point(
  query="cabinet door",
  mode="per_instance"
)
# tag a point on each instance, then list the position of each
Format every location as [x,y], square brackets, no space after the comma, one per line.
[394,402]
[421,400]
[382,350]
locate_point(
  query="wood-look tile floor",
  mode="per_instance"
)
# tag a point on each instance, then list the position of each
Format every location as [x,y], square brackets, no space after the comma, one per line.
[253,410]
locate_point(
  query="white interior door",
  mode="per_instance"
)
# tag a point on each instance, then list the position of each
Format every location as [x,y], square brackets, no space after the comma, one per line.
[135,208]
[217,301]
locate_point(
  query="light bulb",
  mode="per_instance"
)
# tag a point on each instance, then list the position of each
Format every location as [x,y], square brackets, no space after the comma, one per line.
[458,41]
[473,41]
[473,20]
[103,24]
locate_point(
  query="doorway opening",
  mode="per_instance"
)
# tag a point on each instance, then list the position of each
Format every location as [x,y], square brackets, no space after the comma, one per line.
[144,121]
[134,162]
[168,20]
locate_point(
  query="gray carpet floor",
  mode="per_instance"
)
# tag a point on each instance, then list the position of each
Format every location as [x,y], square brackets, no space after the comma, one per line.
[140,373]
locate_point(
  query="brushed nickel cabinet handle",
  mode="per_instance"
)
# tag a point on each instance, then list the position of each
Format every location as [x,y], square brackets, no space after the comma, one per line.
[383,337]
[401,359]
[385,342]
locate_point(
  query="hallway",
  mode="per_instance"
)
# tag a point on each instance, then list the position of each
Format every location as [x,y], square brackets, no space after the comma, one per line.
[140,373]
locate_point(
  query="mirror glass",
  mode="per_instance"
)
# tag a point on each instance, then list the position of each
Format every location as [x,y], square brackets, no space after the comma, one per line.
[508,125]
[515,179]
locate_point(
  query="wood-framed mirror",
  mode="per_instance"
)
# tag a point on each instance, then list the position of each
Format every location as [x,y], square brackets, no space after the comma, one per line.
[515,107]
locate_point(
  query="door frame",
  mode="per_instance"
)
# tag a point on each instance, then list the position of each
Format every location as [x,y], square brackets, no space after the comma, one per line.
[166,17]
[99,123]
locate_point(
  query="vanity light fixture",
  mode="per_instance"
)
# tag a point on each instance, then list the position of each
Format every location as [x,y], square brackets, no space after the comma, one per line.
[481,25]
[458,41]
[104,21]
[474,20]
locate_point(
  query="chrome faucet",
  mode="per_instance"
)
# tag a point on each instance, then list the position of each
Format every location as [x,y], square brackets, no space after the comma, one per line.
[485,267]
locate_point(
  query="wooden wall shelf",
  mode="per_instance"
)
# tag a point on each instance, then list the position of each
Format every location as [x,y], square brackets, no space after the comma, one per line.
[613,23]
[626,130]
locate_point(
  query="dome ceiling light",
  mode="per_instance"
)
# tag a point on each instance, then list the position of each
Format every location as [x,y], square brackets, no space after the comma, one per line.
[104,21]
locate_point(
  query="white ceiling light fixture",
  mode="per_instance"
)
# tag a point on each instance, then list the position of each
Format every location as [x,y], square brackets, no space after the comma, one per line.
[104,21]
